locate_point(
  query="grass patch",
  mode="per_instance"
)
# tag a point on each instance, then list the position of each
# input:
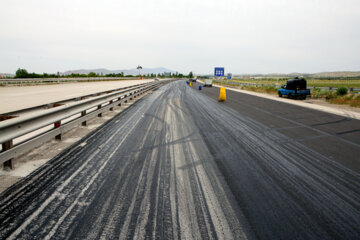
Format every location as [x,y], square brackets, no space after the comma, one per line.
[334,83]
[269,90]
[319,93]
[331,96]
[348,83]
[351,99]
[260,89]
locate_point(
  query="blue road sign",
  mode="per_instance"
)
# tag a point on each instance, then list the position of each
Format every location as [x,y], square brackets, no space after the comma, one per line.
[229,76]
[219,72]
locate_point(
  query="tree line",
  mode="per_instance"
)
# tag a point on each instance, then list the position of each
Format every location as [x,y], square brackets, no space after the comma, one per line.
[23,73]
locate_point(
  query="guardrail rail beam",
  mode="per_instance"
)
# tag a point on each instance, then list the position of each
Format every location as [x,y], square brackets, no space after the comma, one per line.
[63,118]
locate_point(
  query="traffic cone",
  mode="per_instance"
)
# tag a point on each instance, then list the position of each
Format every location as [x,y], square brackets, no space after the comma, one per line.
[222,95]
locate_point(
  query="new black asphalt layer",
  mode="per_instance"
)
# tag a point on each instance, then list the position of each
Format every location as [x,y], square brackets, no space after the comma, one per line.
[180,165]
[335,137]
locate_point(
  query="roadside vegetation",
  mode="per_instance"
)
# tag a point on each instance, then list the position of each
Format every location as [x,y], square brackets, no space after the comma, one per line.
[342,95]
[349,82]
[23,73]
[269,90]
[41,79]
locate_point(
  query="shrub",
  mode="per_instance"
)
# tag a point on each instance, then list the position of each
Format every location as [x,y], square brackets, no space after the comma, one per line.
[349,97]
[342,91]
[330,96]
[316,93]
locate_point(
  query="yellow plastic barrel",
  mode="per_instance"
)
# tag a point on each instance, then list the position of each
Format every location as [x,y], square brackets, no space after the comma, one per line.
[190,84]
[222,95]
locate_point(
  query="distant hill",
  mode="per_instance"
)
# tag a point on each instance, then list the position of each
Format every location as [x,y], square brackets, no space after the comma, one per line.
[125,71]
[336,74]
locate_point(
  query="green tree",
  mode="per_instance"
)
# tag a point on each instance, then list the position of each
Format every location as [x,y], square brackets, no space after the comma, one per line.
[21,73]
[191,75]
[92,74]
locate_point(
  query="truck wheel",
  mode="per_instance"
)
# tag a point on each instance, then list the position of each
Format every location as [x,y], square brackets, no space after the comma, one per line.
[289,95]
[280,95]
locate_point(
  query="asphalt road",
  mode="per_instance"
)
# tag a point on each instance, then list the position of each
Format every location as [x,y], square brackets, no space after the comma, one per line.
[180,165]
[335,137]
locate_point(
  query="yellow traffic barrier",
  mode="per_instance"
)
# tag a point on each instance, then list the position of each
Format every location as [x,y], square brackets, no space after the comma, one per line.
[190,84]
[222,95]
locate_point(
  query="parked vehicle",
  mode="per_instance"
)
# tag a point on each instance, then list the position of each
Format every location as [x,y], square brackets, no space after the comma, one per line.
[294,88]
[192,80]
[208,83]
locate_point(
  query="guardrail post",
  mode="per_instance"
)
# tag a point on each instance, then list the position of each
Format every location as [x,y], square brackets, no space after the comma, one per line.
[100,114]
[119,101]
[6,146]
[83,113]
[57,125]
[111,109]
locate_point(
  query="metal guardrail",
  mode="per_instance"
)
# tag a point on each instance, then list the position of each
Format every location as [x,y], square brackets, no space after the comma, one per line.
[78,113]
[236,83]
[65,101]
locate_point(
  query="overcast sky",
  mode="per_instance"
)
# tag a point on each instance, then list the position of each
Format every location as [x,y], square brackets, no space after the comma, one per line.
[244,36]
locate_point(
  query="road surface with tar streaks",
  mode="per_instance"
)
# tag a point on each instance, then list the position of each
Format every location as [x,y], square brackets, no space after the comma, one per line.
[336,137]
[179,165]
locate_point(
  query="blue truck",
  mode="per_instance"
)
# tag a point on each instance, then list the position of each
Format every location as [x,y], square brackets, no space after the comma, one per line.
[294,88]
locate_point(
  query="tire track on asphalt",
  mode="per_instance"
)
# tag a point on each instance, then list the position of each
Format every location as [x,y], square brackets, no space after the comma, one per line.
[178,165]
[55,195]
[300,189]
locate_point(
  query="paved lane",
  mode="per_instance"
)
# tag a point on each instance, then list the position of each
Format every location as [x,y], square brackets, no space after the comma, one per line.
[335,137]
[179,165]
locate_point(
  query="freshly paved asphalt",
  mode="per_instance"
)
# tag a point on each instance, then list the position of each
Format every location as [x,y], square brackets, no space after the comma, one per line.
[335,137]
[180,165]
